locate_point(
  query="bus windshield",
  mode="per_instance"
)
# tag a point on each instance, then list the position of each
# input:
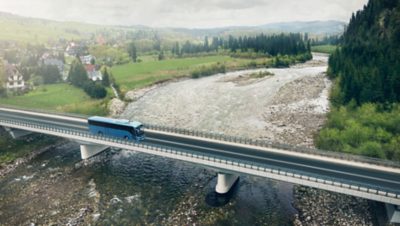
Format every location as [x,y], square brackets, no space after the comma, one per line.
[139,131]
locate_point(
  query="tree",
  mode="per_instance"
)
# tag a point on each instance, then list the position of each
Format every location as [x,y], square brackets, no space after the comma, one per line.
[206,45]
[94,90]
[132,51]
[106,78]
[161,55]
[77,74]
[49,73]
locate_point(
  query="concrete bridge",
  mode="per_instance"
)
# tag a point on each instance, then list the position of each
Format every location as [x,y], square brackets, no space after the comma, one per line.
[231,156]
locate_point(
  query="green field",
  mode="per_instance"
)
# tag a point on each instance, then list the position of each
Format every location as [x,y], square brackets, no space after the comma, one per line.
[329,49]
[137,75]
[67,98]
[57,97]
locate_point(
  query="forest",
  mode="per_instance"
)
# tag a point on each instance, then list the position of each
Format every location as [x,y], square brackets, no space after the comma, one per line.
[365,118]
[272,45]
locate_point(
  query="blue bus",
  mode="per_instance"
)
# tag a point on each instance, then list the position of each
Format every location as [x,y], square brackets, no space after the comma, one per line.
[120,128]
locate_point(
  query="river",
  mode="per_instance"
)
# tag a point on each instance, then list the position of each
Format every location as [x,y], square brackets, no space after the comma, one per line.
[128,188]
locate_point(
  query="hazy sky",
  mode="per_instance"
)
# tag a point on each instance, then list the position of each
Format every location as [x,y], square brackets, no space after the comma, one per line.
[184,13]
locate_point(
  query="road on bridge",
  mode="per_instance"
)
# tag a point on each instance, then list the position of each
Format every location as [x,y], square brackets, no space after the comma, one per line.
[332,170]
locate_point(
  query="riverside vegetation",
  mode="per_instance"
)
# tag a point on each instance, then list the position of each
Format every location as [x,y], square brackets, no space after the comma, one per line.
[365,118]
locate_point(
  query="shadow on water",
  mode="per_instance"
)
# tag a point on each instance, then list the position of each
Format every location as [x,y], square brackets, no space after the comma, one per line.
[215,199]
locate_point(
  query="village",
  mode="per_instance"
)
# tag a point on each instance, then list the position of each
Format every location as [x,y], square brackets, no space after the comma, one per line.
[24,69]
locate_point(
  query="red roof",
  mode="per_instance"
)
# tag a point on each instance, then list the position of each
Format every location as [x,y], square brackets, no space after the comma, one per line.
[90,67]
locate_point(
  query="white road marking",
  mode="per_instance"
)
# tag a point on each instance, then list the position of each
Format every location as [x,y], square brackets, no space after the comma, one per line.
[279,161]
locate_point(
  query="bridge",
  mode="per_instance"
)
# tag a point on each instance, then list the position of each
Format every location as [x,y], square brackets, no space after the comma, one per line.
[367,178]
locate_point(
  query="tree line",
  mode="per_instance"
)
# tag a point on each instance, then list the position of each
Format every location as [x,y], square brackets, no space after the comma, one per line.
[271,45]
[365,118]
[367,65]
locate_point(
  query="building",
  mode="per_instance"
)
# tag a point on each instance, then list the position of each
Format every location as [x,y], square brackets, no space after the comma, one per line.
[14,79]
[87,59]
[94,73]
[74,49]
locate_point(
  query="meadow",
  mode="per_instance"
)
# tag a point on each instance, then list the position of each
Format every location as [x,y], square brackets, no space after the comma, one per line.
[64,97]
[329,49]
[58,97]
[138,75]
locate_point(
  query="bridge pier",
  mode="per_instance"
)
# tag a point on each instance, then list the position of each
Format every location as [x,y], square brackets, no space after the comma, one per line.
[225,182]
[393,212]
[90,150]
[17,133]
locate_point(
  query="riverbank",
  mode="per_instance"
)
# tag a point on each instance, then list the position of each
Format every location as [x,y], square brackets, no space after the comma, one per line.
[14,153]
[290,106]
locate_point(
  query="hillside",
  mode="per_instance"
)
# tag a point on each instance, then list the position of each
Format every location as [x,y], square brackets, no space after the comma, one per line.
[313,27]
[368,65]
[33,30]
[365,117]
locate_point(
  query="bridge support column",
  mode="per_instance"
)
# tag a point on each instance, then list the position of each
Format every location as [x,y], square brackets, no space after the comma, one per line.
[393,212]
[225,182]
[17,133]
[89,150]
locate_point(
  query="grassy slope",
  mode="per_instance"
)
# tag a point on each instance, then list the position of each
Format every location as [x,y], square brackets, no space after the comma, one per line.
[137,75]
[32,30]
[329,49]
[59,97]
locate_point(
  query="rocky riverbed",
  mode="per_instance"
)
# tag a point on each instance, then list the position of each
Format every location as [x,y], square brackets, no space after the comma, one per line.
[289,106]
[129,188]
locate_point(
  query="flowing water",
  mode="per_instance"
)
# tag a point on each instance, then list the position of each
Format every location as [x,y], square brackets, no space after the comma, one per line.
[122,187]
[129,188]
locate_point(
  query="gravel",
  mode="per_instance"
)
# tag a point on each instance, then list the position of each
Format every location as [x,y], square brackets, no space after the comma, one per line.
[288,107]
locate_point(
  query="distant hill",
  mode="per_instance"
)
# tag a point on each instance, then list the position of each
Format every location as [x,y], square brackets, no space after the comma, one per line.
[33,30]
[313,27]
[316,28]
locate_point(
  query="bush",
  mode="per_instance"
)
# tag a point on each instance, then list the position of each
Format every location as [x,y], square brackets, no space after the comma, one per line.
[94,90]
[209,70]
[367,130]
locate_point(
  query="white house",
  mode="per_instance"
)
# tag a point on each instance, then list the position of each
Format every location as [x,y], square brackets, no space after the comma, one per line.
[15,81]
[93,73]
[87,59]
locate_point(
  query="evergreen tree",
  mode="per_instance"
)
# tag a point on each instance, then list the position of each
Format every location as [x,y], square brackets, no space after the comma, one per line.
[367,63]
[206,45]
[77,74]
[106,78]
[132,51]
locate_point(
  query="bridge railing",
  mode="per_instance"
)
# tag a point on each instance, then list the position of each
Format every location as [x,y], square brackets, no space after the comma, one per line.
[52,112]
[240,140]
[274,145]
[341,183]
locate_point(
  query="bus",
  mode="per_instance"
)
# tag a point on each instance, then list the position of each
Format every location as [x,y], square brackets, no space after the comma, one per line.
[121,128]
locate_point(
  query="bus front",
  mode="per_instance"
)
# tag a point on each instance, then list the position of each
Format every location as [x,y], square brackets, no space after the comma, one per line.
[138,130]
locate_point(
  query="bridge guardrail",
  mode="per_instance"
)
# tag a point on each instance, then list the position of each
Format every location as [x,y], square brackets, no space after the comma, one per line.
[271,144]
[371,189]
[240,140]
[74,115]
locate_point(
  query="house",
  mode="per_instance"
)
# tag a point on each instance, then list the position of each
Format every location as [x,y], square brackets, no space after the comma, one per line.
[87,59]
[73,49]
[14,79]
[94,73]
